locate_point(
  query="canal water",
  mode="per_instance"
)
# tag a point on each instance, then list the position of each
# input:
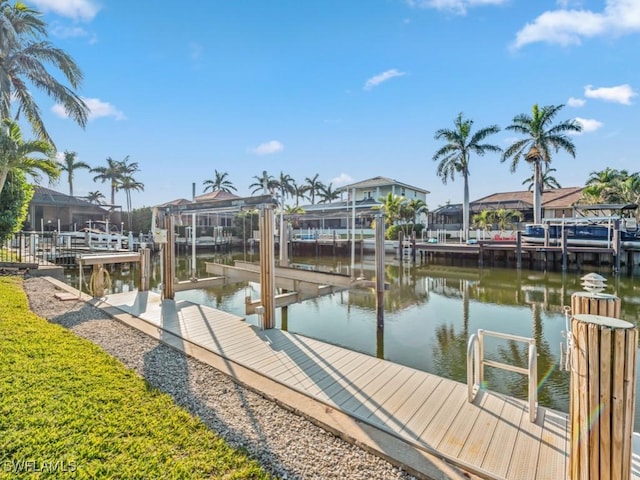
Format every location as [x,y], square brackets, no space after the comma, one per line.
[430,310]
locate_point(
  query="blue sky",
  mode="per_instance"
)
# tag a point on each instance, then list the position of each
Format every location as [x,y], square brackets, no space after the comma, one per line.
[345,89]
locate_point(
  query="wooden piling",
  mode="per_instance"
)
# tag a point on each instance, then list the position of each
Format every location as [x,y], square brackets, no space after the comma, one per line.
[595,304]
[267,265]
[603,367]
[145,269]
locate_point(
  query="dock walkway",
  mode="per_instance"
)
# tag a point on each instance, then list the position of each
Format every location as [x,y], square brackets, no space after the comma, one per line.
[491,437]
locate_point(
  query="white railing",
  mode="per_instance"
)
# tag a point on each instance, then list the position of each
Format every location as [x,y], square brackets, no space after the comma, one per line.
[476,363]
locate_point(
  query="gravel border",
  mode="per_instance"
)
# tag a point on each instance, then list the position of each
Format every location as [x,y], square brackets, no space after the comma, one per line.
[286,444]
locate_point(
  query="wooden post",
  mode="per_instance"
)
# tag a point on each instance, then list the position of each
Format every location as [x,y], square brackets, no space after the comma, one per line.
[380,257]
[97,283]
[518,249]
[145,269]
[169,260]
[267,266]
[617,246]
[564,249]
[595,304]
[603,369]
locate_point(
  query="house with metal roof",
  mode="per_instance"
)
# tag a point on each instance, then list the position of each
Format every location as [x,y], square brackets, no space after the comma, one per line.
[51,210]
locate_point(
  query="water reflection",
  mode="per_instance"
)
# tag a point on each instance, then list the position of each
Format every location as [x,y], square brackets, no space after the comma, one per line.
[429,313]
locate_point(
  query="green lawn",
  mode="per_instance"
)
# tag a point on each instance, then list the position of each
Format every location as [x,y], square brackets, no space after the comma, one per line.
[69,410]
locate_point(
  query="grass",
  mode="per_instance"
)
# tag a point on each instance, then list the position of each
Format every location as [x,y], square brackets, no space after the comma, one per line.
[69,410]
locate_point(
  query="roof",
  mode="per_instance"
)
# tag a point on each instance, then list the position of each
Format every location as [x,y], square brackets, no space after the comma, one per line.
[554,198]
[47,197]
[379,182]
[215,195]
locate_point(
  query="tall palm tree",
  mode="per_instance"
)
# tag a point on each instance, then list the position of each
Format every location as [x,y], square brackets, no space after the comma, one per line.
[112,173]
[540,137]
[219,182]
[314,186]
[299,192]
[25,55]
[264,182]
[17,154]
[70,165]
[96,197]
[129,184]
[549,182]
[285,185]
[328,194]
[454,156]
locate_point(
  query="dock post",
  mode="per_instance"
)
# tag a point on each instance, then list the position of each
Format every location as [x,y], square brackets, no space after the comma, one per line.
[169,259]
[603,370]
[481,255]
[518,249]
[379,256]
[145,268]
[617,244]
[564,250]
[267,265]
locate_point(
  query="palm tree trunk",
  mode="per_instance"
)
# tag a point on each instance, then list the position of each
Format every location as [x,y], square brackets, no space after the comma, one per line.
[537,194]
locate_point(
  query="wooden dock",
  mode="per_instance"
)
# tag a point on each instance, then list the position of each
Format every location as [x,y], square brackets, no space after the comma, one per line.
[489,438]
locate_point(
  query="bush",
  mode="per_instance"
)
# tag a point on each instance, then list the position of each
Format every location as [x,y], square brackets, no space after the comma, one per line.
[14,204]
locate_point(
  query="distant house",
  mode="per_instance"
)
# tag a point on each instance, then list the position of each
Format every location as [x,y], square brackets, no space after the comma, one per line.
[50,210]
[365,195]
[556,203]
[205,219]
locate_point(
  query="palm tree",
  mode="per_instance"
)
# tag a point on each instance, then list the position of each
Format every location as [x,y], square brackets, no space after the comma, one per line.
[505,218]
[392,207]
[128,183]
[454,156]
[285,185]
[219,182]
[541,136]
[113,173]
[484,220]
[415,207]
[328,194]
[24,55]
[70,165]
[17,154]
[96,197]
[314,187]
[264,182]
[549,182]
[299,192]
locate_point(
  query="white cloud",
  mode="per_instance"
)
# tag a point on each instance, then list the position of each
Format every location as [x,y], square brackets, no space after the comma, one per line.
[455,6]
[268,148]
[342,179]
[576,102]
[75,9]
[569,27]
[588,125]
[382,77]
[97,109]
[618,94]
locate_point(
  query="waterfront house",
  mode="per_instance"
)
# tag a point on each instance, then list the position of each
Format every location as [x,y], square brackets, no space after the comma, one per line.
[50,210]
[362,196]
[556,203]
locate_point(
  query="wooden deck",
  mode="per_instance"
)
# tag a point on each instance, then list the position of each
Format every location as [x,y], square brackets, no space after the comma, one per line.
[491,437]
